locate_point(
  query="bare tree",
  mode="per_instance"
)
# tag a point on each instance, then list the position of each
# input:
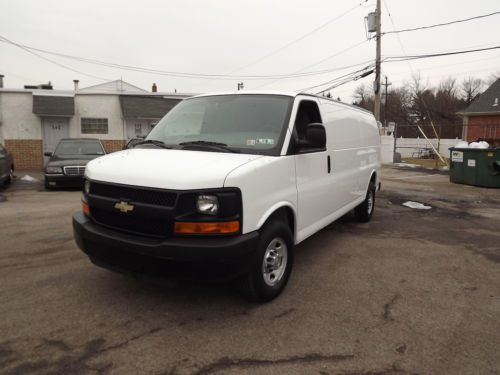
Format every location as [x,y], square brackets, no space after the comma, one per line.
[448,86]
[470,89]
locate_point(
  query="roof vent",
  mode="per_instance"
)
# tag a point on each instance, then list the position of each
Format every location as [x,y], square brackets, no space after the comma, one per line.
[495,103]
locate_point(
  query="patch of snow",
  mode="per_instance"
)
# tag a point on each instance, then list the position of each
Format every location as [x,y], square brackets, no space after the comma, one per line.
[462,144]
[480,144]
[28,178]
[416,205]
[406,165]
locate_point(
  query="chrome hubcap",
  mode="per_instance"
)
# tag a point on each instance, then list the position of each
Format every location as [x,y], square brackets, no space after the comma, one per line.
[275,261]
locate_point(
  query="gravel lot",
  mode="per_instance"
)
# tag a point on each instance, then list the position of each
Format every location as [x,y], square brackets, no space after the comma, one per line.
[411,292]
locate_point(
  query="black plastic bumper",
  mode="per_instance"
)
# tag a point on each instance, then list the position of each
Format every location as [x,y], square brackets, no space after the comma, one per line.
[204,257]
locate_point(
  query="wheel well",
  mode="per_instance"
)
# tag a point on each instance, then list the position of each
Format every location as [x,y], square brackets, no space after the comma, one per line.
[286,214]
[374,177]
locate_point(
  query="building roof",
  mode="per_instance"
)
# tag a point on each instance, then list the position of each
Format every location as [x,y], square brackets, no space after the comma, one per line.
[146,107]
[53,105]
[113,87]
[488,102]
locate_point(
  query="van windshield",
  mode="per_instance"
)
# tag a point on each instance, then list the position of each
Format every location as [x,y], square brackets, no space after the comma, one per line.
[253,124]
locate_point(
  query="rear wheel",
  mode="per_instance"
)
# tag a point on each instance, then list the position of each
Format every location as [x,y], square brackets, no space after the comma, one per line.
[364,211]
[11,176]
[271,264]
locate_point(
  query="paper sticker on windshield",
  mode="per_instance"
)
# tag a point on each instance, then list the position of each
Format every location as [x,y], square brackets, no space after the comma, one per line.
[265,141]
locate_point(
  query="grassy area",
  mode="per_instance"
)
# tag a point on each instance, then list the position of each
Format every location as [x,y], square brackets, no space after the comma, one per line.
[428,163]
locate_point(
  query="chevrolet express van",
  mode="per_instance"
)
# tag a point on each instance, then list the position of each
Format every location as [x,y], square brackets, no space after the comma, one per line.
[230,182]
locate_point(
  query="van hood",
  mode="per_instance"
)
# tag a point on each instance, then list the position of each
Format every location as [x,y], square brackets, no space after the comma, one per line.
[166,169]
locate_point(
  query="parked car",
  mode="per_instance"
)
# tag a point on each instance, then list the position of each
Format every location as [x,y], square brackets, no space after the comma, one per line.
[66,165]
[231,182]
[6,166]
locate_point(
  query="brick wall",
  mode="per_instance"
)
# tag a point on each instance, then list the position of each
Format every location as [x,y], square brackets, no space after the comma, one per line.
[112,145]
[27,153]
[484,127]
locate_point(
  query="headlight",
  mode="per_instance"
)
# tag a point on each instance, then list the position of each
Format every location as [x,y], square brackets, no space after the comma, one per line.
[86,187]
[54,170]
[207,204]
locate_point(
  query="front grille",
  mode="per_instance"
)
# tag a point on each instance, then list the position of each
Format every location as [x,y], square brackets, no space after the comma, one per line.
[74,170]
[133,194]
[130,223]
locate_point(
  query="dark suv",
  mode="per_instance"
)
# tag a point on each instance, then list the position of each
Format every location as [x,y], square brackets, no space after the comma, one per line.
[66,165]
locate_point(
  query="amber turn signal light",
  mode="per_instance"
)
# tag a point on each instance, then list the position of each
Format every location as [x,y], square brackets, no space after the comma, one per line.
[85,208]
[223,227]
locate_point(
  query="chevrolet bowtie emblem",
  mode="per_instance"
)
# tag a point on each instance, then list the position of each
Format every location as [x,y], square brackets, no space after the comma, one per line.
[124,207]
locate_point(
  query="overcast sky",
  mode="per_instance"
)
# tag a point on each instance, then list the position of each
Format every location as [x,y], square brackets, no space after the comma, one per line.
[235,36]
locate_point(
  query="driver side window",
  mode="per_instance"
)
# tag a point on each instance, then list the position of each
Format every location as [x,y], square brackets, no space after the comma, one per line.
[307,113]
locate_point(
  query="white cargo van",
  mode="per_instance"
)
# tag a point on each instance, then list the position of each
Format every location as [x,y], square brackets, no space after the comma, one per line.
[230,182]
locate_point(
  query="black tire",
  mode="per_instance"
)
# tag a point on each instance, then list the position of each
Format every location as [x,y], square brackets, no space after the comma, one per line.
[364,212]
[46,184]
[256,289]
[11,176]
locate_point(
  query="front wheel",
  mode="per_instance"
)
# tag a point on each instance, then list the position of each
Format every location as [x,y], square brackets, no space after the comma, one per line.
[364,212]
[271,264]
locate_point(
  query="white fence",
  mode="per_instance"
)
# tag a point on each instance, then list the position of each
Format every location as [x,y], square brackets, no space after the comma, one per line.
[413,147]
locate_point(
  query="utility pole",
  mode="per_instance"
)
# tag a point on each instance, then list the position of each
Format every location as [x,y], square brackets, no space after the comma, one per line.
[386,84]
[378,37]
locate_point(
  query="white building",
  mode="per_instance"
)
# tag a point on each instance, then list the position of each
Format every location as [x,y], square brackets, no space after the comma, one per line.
[34,119]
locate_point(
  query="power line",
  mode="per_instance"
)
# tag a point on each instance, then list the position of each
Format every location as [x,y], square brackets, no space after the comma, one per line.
[4,39]
[365,74]
[181,74]
[323,60]
[440,24]
[299,38]
[342,77]
[416,57]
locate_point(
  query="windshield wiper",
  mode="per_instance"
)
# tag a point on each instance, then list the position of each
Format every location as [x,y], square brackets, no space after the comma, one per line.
[154,142]
[212,145]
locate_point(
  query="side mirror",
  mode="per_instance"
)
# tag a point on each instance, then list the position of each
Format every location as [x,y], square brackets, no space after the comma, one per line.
[315,137]
[48,154]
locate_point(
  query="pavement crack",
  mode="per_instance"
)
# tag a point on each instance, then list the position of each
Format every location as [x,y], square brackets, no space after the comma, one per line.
[284,313]
[126,342]
[225,363]
[388,308]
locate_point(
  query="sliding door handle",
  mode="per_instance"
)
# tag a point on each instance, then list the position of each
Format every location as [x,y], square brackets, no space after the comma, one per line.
[329,164]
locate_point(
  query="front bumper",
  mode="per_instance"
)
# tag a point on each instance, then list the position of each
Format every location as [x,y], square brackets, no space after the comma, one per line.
[63,181]
[198,257]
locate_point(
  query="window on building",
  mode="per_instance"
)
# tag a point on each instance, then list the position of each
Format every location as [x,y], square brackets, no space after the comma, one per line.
[94,125]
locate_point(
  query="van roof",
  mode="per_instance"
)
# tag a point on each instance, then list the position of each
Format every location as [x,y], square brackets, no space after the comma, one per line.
[292,94]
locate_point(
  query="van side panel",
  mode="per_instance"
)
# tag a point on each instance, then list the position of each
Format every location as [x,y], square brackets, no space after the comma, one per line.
[266,184]
[345,144]
[355,141]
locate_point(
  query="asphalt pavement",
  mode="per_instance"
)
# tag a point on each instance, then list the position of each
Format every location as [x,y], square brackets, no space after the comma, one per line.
[411,292]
